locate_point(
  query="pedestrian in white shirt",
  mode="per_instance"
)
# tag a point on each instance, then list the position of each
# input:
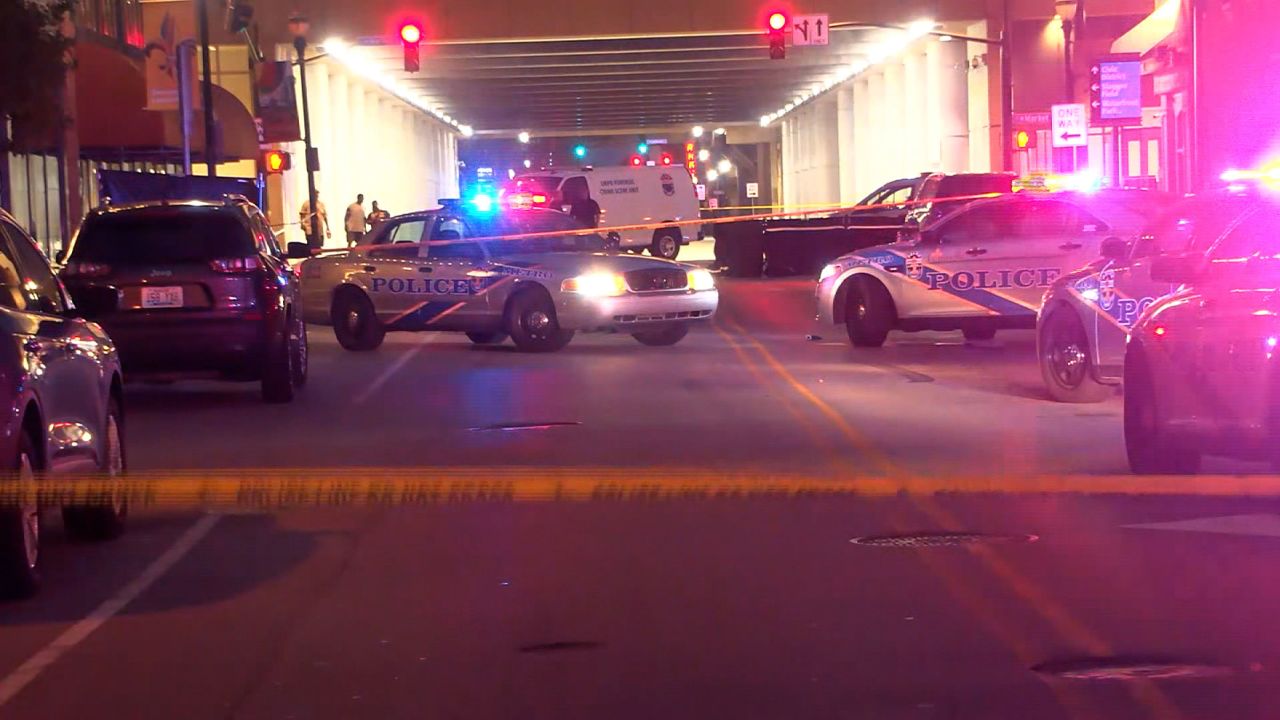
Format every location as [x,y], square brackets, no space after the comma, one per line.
[355,221]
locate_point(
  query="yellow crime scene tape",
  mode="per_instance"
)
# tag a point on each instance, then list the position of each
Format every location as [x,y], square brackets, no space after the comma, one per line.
[280,489]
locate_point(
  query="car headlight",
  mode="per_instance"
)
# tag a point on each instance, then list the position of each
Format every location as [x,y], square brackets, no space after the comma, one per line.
[701,280]
[828,271]
[596,284]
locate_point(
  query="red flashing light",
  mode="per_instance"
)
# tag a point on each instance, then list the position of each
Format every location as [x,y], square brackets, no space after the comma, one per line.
[636,161]
[777,21]
[1160,331]
[410,33]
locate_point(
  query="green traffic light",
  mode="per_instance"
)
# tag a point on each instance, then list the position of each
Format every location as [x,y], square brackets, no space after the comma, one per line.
[642,148]
[580,151]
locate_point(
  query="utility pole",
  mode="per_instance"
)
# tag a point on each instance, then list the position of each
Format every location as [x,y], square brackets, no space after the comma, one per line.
[210,144]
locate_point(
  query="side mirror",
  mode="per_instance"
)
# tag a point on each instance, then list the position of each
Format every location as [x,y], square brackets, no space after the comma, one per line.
[1114,248]
[299,251]
[1177,269]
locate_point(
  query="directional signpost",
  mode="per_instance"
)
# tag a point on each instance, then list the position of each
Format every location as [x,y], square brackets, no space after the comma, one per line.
[1115,90]
[810,30]
[1070,125]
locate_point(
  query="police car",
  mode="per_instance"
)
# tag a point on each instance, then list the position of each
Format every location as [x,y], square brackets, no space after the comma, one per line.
[530,274]
[1086,314]
[1200,366]
[979,269]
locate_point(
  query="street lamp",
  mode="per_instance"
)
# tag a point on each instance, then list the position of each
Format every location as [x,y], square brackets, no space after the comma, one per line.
[298,26]
[1067,10]
[724,166]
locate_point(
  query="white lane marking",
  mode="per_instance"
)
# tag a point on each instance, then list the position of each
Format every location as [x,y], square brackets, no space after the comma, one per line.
[393,368]
[1258,524]
[13,683]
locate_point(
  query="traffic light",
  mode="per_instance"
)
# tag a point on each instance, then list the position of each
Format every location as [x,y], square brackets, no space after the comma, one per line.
[642,148]
[637,161]
[276,161]
[665,159]
[1023,139]
[777,35]
[410,38]
[580,151]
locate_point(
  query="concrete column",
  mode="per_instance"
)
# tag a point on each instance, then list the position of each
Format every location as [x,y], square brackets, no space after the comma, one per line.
[979,89]
[343,183]
[951,66]
[914,155]
[845,129]
[826,158]
[876,130]
[933,113]
[895,110]
[784,169]
[862,122]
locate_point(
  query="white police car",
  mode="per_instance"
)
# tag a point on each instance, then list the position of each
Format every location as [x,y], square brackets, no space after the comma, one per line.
[979,269]
[525,273]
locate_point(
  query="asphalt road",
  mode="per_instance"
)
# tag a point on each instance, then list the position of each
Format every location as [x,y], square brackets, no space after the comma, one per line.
[1052,596]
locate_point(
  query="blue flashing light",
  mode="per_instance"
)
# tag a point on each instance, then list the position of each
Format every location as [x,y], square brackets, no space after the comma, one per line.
[580,151]
[482,202]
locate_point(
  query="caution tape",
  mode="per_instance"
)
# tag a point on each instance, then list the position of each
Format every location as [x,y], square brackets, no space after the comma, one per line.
[280,489]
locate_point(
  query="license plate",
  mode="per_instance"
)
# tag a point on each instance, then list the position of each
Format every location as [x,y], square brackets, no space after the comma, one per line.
[161,297]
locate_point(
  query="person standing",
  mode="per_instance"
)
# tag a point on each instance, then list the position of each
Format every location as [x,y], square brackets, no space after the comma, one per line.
[305,218]
[377,216]
[355,221]
[584,209]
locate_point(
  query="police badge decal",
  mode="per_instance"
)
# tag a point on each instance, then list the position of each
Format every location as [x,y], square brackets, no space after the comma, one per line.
[914,266]
[1107,289]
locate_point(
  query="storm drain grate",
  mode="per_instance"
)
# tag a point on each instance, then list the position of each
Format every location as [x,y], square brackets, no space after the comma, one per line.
[1128,669]
[940,539]
[561,646]
[502,427]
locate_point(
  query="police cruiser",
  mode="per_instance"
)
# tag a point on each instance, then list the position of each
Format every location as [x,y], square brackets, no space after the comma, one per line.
[1200,365]
[528,274]
[979,269]
[1087,314]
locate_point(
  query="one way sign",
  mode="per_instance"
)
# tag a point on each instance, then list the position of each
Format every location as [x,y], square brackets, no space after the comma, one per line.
[810,30]
[1070,124]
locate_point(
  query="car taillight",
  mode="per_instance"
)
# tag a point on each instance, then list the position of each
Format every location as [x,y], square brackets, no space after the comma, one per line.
[235,265]
[85,269]
[539,199]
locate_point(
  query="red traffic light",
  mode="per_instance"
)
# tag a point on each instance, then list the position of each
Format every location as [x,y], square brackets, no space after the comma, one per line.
[276,161]
[777,38]
[636,161]
[410,33]
[777,21]
[665,159]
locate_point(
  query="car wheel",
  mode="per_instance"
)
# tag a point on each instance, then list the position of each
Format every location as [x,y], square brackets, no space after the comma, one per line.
[300,354]
[1147,442]
[20,527]
[666,244]
[1064,360]
[105,519]
[278,375]
[870,315]
[979,332]
[487,338]
[355,323]
[532,323]
[664,337]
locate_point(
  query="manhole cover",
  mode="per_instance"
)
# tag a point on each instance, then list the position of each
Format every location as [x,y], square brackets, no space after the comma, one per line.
[502,427]
[1128,668]
[560,646]
[940,539]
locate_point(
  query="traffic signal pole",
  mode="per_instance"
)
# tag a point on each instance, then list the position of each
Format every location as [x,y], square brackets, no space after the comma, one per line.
[206,87]
[313,234]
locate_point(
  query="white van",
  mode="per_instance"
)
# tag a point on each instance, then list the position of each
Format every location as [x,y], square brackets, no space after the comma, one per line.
[644,195]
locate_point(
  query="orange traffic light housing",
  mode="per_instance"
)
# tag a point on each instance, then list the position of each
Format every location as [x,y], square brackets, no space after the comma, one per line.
[777,27]
[410,39]
[275,162]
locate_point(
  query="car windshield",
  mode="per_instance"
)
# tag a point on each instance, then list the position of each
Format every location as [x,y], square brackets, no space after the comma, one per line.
[579,385]
[162,236]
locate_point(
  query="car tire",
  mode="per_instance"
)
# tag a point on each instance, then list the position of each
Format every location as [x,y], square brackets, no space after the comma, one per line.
[662,338]
[666,244]
[278,375]
[532,323]
[103,520]
[979,332]
[301,354]
[869,315]
[355,323]
[1063,351]
[487,338]
[1150,449]
[20,528]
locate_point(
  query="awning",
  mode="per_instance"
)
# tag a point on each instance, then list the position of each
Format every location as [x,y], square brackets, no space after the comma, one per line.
[1160,27]
[111,92]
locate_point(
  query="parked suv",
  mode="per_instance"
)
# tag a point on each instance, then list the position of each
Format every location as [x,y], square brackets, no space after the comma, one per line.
[192,288]
[63,412]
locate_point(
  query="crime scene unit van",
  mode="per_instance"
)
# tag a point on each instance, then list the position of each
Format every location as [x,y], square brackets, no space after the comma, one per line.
[644,195]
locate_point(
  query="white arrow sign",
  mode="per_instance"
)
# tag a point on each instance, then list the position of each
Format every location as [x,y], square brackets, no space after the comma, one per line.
[810,30]
[1070,125]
